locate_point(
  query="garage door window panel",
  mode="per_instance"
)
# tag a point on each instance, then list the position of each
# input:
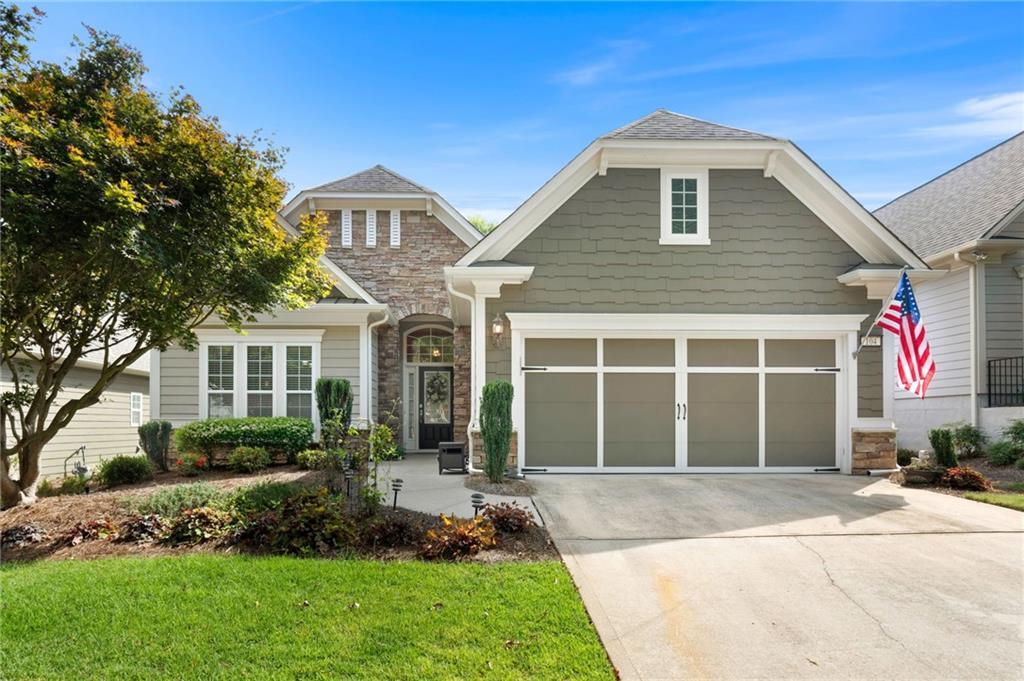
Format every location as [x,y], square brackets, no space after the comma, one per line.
[721,352]
[639,352]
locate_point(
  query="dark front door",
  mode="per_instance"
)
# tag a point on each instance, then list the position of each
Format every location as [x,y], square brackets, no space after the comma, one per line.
[435,406]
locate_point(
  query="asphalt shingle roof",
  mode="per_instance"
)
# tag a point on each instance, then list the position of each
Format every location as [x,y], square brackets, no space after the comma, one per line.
[668,125]
[377,179]
[962,204]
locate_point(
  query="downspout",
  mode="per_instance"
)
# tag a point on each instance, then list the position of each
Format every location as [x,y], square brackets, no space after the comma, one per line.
[369,339]
[472,371]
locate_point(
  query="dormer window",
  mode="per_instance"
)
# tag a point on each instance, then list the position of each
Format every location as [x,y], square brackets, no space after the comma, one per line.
[684,206]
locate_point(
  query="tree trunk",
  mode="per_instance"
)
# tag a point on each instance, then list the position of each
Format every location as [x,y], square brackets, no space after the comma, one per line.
[23,490]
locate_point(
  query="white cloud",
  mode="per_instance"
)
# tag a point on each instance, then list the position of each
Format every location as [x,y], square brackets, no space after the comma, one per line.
[999,115]
[618,52]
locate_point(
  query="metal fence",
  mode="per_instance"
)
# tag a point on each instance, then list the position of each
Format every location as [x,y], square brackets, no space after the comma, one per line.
[1006,382]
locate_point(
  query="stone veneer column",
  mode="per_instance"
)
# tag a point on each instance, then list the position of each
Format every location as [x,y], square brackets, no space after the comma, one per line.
[462,388]
[389,380]
[478,450]
[873,450]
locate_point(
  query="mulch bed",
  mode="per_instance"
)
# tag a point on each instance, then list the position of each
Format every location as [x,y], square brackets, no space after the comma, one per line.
[509,487]
[56,515]
[998,475]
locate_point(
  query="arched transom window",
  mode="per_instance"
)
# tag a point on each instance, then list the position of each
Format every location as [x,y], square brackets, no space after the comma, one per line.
[429,346]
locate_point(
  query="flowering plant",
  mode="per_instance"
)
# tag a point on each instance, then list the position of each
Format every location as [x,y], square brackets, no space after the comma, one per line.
[192,464]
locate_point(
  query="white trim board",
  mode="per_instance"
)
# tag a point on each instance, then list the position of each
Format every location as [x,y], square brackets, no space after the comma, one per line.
[671,324]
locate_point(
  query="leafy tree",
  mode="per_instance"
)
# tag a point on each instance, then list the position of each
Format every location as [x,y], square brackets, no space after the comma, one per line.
[128,219]
[482,224]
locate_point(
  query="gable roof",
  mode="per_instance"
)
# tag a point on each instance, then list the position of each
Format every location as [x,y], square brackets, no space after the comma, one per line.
[664,138]
[377,179]
[962,204]
[663,124]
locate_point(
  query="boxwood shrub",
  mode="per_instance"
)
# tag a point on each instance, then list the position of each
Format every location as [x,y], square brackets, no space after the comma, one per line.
[283,433]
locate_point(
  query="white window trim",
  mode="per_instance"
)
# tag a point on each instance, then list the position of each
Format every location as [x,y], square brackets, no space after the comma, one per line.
[702,237]
[135,412]
[279,339]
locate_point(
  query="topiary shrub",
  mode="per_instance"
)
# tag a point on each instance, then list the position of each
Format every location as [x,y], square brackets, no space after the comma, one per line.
[171,501]
[155,439]
[496,427]
[124,470]
[968,440]
[334,400]
[962,477]
[941,440]
[904,456]
[248,459]
[1004,453]
[283,433]
[456,538]
[197,525]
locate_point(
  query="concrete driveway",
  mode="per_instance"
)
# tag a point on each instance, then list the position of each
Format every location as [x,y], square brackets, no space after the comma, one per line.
[791,577]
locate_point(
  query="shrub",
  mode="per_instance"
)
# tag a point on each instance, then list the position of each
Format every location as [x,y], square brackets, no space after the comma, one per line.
[287,434]
[941,440]
[509,518]
[1004,453]
[387,532]
[197,525]
[155,438]
[1014,431]
[962,477]
[968,440]
[382,443]
[191,464]
[266,496]
[904,456]
[310,459]
[71,485]
[334,404]
[1020,463]
[248,459]
[496,427]
[311,522]
[17,536]
[170,501]
[88,530]
[456,538]
[142,529]
[124,470]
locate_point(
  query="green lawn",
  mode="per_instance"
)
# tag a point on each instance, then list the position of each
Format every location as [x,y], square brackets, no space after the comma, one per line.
[1014,501]
[208,617]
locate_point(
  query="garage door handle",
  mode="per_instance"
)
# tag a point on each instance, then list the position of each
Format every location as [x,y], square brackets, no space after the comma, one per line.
[533,368]
[680,410]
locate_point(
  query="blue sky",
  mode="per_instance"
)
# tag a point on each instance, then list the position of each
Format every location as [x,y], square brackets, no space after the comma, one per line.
[484,102]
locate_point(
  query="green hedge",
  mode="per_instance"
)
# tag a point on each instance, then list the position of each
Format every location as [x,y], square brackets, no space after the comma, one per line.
[290,435]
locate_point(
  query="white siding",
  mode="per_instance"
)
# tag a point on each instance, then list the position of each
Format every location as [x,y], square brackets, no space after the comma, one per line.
[945,308]
[104,428]
[1004,301]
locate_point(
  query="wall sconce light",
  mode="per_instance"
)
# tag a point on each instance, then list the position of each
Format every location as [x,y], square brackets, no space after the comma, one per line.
[497,329]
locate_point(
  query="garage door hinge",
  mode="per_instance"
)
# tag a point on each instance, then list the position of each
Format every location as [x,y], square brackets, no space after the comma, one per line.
[832,370]
[534,368]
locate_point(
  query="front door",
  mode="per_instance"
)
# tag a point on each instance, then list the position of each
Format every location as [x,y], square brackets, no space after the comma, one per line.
[435,406]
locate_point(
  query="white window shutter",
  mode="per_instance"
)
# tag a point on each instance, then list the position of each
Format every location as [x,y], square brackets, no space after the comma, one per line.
[346,228]
[396,228]
[371,227]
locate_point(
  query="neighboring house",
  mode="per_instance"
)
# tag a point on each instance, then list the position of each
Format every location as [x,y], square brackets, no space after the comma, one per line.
[970,222]
[107,428]
[682,296]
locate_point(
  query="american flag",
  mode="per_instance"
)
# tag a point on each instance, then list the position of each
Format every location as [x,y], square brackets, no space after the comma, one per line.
[914,365]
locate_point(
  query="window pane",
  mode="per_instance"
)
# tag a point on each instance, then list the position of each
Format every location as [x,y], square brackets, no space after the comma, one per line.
[678,227]
[430,346]
[299,371]
[690,184]
[260,404]
[678,184]
[300,405]
[260,367]
[220,367]
[221,405]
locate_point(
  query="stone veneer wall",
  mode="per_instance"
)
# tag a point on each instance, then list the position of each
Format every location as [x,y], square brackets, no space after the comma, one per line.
[478,450]
[873,449]
[410,279]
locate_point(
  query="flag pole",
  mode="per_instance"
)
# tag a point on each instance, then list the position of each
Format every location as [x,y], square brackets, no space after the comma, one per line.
[882,311]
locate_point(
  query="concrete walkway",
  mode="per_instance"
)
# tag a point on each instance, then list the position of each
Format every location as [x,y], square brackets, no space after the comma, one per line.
[791,577]
[425,491]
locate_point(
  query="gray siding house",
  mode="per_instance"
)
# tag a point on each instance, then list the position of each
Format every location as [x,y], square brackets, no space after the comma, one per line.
[682,296]
[969,223]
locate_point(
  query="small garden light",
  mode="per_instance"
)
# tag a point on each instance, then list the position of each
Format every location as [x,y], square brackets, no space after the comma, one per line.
[478,503]
[396,486]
